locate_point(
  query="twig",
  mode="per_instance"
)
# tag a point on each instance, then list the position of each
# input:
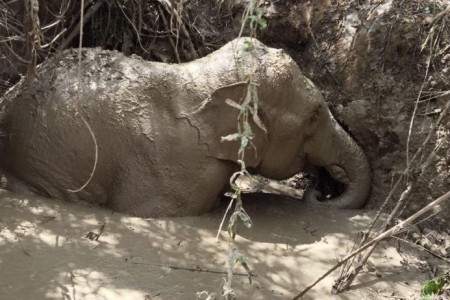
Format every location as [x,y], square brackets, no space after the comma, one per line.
[392,297]
[408,163]
[432,48]
[435,205]
[387,43]
[83,20]
[223,219]
[174,47]
[194,54]
[20,59]
[96,153]
[136,30]
[422,248]
[344,281]
[194,269]
[54,39]
[79,88]
[386,201]
[33,37]
[50,25]
[440,15]
[256,184]
[93,236]
[172,10]
[433,95]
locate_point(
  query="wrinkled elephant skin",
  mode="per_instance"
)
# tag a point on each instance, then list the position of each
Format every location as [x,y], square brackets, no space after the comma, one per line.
[158,128]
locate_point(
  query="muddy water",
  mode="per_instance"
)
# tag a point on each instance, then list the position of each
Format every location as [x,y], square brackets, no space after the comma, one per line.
[44,253]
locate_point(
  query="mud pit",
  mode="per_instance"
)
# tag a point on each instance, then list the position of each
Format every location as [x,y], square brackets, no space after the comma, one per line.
[44,253]
[367,57]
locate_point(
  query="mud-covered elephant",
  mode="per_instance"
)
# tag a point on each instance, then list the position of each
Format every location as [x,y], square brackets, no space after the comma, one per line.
[158,129]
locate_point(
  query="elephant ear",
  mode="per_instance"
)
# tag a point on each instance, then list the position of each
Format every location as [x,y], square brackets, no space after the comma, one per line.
[217,121]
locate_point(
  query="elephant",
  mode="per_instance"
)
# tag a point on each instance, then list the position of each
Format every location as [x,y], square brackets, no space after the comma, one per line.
[146,137]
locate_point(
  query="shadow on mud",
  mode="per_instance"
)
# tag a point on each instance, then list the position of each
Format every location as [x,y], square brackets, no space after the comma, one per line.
[45,253]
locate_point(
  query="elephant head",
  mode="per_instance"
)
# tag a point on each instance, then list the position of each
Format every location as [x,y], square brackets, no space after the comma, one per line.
[300,127]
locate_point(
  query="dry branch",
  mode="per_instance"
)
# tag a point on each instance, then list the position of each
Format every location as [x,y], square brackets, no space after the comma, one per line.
[174,47]
[433,206]
[33,36]
[344,281]
[171,10]
[254,184]
[79,89]
[76,30]
[191,269]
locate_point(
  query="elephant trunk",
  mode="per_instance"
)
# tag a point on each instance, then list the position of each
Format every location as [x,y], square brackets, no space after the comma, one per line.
[357,178]
[358,188]
[349,165]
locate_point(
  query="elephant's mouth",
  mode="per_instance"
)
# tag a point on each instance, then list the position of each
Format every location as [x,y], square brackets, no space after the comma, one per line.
[328,186]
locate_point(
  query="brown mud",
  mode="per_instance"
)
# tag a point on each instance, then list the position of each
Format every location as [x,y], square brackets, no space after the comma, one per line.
[44,253]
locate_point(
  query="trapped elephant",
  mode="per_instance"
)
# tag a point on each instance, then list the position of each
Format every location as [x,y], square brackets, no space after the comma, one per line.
[158,129]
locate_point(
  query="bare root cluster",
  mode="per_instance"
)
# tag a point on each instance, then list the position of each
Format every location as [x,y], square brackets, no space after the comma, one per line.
[158,30]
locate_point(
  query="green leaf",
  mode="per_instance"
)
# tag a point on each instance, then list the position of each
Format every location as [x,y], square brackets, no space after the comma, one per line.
[232,259]
[248,97]
[241,163]
[248,46]
[232,225]
[235,257]
[244,143]
[433,286]
[230,137]
[260,13]
[233,104]
[440,282]
[258,122]
[245,218]
[248,130]
[247,269]
[262,23]
[232,195]
[252,18]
